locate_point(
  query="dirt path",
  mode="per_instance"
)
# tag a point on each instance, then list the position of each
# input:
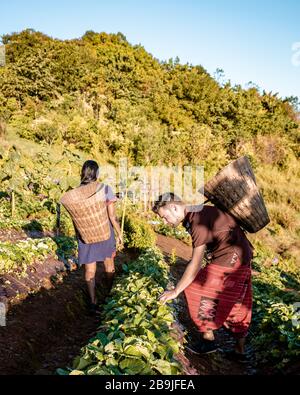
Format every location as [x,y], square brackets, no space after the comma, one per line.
[214,363]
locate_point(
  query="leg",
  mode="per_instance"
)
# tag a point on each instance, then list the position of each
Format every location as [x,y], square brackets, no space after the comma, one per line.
[194,296]
[240,345]
[89,274]
[109,267]
[239,319]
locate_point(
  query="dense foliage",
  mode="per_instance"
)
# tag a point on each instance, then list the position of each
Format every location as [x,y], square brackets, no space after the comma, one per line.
[32,181]
[101,93]
[138,233]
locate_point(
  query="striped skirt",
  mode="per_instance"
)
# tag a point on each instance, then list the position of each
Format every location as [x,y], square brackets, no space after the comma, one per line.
[221,296]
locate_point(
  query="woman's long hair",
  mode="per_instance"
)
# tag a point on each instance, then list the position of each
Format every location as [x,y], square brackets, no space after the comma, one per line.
[89,172]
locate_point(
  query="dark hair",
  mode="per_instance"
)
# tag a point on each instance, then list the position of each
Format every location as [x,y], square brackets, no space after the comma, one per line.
[165,199]
[89,172]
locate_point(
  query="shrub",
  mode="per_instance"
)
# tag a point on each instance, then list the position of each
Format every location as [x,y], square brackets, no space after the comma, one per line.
[138,233]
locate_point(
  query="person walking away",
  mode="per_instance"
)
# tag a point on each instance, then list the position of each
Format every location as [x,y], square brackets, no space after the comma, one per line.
[89,254]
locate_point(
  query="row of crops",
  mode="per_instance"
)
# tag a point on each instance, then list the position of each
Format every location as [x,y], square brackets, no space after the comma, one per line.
[16,257]
[276,319]
[136,335]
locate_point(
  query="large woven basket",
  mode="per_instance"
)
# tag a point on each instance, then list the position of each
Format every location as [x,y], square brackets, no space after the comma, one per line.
[87,206]
[234,190]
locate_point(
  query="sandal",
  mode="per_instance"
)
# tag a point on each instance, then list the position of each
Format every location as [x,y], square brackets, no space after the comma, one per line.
[203,347]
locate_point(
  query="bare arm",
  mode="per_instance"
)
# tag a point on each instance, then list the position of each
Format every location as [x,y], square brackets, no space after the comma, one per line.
[188,276]
[191,270]
[114,221]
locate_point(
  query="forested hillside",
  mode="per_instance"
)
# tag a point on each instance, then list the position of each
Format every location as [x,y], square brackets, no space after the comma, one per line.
[101,93]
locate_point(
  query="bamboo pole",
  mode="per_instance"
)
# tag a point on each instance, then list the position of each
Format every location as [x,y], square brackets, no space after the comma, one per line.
[124,209]
[13,204]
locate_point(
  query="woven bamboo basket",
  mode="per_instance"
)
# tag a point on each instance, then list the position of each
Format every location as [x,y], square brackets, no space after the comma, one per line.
[87,206]
[234,190]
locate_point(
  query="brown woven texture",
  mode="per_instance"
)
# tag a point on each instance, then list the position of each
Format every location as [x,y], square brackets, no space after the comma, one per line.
[234,190]
[87,206]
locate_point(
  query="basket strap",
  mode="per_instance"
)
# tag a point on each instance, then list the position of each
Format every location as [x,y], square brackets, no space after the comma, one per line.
[98,189]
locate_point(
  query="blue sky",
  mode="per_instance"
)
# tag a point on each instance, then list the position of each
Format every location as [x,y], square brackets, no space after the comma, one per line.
[250,40]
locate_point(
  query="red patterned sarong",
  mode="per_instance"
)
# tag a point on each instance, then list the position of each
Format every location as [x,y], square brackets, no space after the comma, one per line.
[221,296]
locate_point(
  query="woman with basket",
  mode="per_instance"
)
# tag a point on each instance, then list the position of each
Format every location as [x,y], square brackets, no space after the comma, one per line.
[91,206]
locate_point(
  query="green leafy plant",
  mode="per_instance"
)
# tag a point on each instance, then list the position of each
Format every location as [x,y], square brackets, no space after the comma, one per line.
[138,233]
[276,331]
[136,335]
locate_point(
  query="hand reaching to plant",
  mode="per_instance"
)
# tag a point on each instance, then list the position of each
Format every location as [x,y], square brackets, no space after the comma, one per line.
[168,295]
